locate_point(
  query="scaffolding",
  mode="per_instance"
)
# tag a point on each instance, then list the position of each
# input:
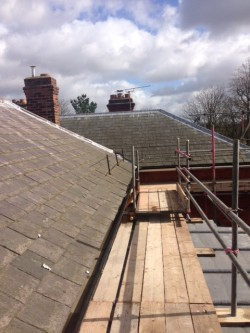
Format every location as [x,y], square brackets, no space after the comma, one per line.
[231,213]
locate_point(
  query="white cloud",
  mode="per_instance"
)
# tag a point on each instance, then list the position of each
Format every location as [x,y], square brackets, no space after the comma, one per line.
[96,47]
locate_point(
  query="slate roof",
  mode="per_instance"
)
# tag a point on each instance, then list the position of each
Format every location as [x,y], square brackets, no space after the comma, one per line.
[153,133]
[57,205]
[217,270]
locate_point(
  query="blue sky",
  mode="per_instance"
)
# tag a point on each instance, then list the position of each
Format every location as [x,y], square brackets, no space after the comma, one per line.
[98,46]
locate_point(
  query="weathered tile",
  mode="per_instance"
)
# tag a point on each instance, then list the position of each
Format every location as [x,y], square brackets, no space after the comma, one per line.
[17,284]
[31,263]
[67,228]
[59,289]
[31,230]
[46,249]
[8,309]
[71,270]
[6,257]
[14,241]
[18,326]
[57,237]
[51,316]
[82,254]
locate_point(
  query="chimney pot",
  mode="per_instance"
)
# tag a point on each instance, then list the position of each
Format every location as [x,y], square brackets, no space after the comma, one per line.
[33,70]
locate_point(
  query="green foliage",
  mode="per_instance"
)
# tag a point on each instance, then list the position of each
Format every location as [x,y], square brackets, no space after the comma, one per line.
[82,105]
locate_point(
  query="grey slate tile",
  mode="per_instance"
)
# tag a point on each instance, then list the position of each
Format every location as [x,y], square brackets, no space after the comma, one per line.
[14,241]
[31,263]
[71,271]
[57,237]
[18,326]
[46,249]
[59,289]
[17,284]
[50,317]
[6,257]
[8,309]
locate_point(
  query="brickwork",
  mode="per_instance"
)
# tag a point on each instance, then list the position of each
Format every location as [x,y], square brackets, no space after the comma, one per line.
[42,97]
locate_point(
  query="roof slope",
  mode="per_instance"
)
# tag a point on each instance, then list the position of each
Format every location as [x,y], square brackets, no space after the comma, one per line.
[217,270]
[153,133]
[57,204]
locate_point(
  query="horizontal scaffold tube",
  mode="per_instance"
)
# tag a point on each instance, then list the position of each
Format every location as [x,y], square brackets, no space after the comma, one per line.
[233,258]
[182,174]
[227,211]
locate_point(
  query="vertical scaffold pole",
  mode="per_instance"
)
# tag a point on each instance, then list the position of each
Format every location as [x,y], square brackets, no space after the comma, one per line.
[188,167]
[213,161]
[235,203]
[138,170]
[133,178]
[179,159]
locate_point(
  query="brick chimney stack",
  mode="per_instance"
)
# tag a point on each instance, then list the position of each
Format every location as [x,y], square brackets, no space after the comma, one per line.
[42,96]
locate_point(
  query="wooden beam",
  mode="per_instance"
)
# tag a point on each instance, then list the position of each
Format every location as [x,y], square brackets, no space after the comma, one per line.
[131,288]
[152,317]
[195,220]
[182,195]
[205,252]
[178,318]
[196,284]
[109,281]
[174,280]
[126,318]
[96,318]
[153,275]
[204,318]
[225,318]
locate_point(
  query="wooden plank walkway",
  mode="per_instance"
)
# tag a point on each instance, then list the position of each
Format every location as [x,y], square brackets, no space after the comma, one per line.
[159,288]
[159,198]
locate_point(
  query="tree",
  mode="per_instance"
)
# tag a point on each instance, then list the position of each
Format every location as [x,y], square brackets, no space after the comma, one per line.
[240,91]
[64,107]
[213,107]
[82,105]
[206,106]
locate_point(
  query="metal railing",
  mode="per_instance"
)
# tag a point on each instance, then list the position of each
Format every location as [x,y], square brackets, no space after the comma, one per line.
[231,213]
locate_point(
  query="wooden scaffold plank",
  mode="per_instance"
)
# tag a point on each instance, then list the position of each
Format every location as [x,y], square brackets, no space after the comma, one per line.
[131,288]
[152,305]
[109,281]
[205,318]
[174,280]
[178,318]
[126,318]
[96,318]
[196,285]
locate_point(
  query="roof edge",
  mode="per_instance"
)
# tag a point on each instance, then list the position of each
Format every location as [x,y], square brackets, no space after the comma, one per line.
[60,128]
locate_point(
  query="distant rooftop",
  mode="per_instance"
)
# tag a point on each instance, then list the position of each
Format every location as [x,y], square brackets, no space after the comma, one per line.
[154,134]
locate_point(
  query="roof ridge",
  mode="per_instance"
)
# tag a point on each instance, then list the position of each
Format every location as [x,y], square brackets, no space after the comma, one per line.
[200,128]
[60,128]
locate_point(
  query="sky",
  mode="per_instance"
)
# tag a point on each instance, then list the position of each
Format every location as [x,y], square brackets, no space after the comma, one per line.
[96,47]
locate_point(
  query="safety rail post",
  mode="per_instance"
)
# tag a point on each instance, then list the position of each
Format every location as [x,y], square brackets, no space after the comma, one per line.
[107,157]
[133,178]
[213,162]
[138,170]
[235,203]
[179,158]
[188,183]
